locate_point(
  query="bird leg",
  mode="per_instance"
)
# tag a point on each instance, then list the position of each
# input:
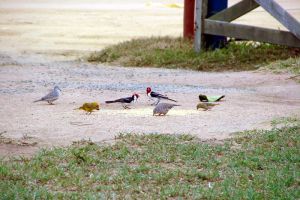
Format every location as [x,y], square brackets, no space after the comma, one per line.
[153,104]
[156,102]
[125,107]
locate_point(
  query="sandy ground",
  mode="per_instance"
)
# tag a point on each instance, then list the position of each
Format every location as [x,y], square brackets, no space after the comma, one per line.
[77,27]
[39,41]
[252,100]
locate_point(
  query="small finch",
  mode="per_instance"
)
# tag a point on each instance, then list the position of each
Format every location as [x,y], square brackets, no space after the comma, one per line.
[52,96]
[163,108]
[205,106]
[205,98]
[89,107]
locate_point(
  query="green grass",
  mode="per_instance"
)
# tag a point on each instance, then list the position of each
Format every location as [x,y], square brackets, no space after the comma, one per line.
[254,165]
[285,121]
[291,65]
[178,53]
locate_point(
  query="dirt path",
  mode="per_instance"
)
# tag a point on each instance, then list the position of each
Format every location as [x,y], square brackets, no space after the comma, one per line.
[252,100]
[38,43]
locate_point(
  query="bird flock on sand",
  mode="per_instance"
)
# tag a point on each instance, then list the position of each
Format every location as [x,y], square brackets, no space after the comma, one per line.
[160,109]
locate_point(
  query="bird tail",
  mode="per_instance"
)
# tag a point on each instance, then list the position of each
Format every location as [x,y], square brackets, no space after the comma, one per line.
[170,99]
[221,97]
[37,100]
[110,101]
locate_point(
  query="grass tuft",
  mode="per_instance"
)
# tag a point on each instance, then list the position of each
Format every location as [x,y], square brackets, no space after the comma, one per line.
[179,53]
[256,165]
[291,65]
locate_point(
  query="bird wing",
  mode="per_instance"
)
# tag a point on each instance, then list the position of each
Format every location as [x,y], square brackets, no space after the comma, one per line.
[126,100]
[163,108]
[157,95]
[215,98]
[50,96]
[160,109]
[121,100]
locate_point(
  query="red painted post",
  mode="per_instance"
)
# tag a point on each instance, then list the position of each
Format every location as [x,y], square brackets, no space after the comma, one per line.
[188,19]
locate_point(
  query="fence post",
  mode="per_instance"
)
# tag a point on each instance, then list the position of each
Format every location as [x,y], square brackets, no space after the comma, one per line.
[200,38]
[198,26]
[188,19]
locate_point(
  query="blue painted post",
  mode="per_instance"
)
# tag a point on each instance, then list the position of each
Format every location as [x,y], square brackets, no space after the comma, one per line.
[213,7]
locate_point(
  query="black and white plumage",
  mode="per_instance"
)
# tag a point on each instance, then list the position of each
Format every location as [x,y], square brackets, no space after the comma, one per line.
[125,101]
[163,108]
[157,96]
[52,96]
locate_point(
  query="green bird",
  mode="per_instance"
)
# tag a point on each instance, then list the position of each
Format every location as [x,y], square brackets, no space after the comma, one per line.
[205,106]
[205,98]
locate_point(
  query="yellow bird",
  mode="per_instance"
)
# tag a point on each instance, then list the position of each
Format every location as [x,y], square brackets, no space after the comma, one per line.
[89,107]
[205,106]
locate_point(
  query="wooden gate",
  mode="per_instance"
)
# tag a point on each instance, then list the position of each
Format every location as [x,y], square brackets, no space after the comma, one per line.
[219,24]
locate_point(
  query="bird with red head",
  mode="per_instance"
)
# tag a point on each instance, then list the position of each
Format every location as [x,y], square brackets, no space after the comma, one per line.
[156,96]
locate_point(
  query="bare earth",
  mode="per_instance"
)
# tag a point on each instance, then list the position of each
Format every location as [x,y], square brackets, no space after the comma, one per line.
[32,62]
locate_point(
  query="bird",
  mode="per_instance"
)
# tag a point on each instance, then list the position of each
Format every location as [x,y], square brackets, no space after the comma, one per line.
[163,108]
[125,101]
[52,96]
[154,95]
[205,98]
[89,107]
[205,106]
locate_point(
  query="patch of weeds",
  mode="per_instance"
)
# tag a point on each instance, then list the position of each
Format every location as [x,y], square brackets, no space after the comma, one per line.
[291,65]
[179,53]
[285,121]
[25,140]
